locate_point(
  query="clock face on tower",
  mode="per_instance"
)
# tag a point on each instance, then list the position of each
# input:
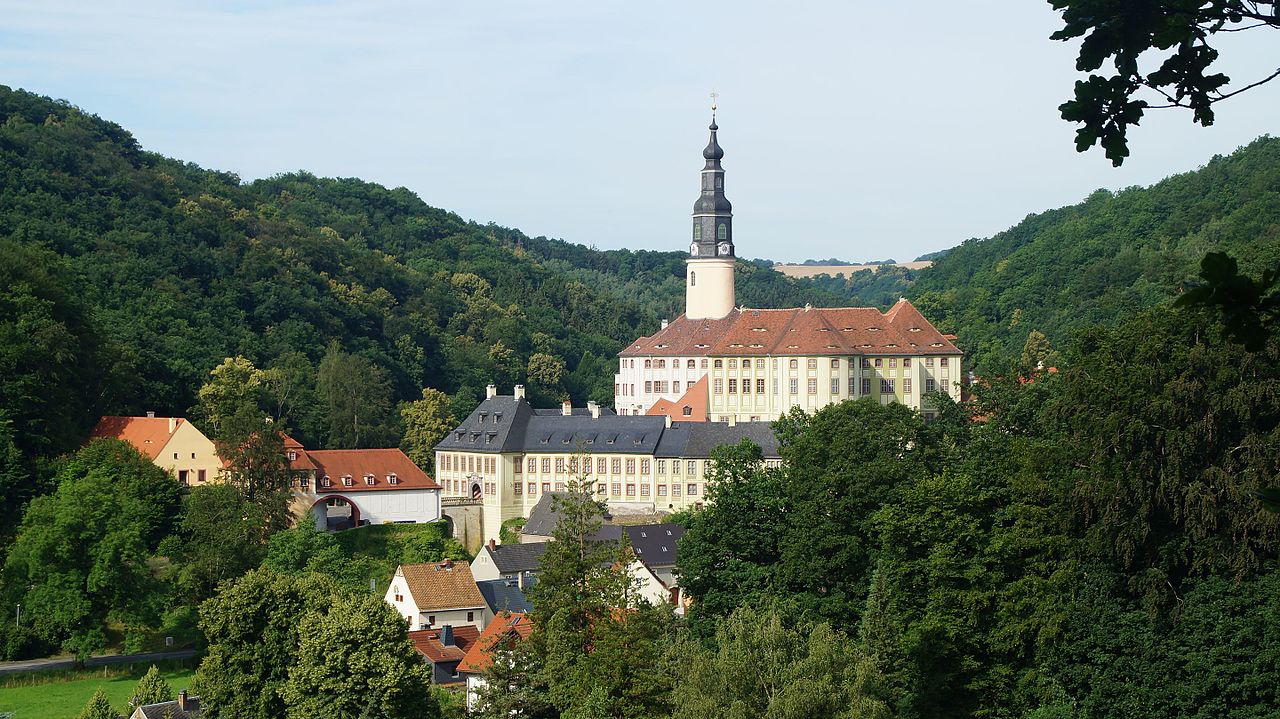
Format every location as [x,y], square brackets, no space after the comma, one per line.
[693,249]
[724,248]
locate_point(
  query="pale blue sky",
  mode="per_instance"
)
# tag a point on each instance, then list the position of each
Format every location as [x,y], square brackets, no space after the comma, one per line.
[851,129]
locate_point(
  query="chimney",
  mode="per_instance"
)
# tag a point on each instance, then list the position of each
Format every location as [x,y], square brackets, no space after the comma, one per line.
[447,564]
[446,635]
[493,544]
[733,420]
[518,391]
[667,419]
[173,424]
[595,410]
[182,700]
[664,324]
[566,408]
[490,391]
[151,415]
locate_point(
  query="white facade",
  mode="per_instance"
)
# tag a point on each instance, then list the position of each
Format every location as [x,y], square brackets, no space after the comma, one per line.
[384,506]
[642,381]
[401,600]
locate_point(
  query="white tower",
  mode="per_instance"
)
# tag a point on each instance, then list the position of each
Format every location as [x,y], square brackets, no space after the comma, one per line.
[709,273]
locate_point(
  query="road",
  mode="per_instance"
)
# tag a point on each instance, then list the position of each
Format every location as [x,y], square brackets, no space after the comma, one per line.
[44,665]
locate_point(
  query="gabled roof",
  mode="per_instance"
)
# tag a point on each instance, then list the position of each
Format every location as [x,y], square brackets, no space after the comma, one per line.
[504,595]
[695,398]
[170,710]
[655,544]
[544,517]
[148,434]
[510,558]
[359,463]
[301,461]
[503,626]
[508,424]
[427,642]
[441,585]
[902,330]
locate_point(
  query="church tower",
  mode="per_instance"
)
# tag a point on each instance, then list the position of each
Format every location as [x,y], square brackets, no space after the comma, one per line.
[709,274]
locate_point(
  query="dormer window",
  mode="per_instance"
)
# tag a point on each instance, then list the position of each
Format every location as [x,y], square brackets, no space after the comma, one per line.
[392,479]
[293,455]
[368,479]
[497,417]
[324,482]
[913,329]
[346,480]
[483,416]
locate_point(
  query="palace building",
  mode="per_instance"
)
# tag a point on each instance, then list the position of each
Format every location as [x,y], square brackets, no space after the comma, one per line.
[723,363]
[507,455]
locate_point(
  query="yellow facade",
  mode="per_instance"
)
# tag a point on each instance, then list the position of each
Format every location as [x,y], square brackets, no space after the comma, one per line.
[190,456]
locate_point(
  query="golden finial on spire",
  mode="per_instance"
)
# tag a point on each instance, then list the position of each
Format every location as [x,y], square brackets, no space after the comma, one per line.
[714,95]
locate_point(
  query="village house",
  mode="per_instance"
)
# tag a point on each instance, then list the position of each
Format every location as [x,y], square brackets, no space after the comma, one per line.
[504,630]
[184,707]
[443,648]
[172,443]
[344,488]
[436,594]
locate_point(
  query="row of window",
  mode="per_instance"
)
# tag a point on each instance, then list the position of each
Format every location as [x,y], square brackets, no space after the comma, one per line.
[620,489]
[793,385]
[660,387]
[302,482]
[468,463]
[811,363]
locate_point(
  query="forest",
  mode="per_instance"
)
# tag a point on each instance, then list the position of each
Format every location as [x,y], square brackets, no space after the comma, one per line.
[1084,538]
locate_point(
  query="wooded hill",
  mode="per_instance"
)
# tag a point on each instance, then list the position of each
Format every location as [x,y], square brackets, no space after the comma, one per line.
[1101,260]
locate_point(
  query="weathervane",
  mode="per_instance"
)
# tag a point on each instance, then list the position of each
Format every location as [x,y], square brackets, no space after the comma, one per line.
[714,95]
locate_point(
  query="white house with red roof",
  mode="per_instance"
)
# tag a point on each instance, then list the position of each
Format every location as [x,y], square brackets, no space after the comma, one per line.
[345,488]
[724,363]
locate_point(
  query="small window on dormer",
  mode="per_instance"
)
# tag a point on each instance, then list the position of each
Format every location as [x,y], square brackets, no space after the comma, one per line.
[392,479]
[325,481]
[368,479]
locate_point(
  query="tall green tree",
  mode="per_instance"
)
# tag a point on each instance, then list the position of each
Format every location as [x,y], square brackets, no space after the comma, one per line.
[98,707]
[222,538]
[234,387]
[151,689]
[83,550]
[356,662]
[426,422]
[358,400]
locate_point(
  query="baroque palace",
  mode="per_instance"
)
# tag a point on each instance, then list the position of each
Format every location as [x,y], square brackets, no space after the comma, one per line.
[715,375]
[721,362]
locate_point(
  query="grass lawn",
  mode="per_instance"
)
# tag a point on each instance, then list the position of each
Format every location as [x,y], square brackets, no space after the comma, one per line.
[62,694]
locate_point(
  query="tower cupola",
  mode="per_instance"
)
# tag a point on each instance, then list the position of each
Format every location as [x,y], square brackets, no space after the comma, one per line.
[709,287]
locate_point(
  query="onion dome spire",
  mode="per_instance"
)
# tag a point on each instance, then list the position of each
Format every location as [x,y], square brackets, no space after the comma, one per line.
[712,213]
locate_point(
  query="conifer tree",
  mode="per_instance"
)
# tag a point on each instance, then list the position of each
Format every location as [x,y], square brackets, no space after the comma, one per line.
[97,708]
[151,689]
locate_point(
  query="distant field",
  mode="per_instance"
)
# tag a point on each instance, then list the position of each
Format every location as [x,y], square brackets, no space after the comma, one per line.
[61,695]
[834,270]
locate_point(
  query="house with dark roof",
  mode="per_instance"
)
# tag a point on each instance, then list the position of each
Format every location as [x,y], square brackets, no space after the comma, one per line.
[504,595]
[184,707]
[513,562]
[509,456]
[432,595]
[443,648]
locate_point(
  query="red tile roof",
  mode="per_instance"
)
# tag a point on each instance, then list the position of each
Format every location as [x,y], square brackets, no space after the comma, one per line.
[695,398]
[504,625]
[427,642]
[148,434]
[300,461]
[902,330]
[442,585]
[359,463]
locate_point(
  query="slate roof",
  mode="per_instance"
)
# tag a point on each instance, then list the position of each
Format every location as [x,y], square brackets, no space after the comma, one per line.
[442,585]
[901,330]
[655,544]
[158,711]
[695,440]
[148,434]
[510,558]
[504,595]
[356,463]
[543,519]
[507,424]
[427,642]
[502,626]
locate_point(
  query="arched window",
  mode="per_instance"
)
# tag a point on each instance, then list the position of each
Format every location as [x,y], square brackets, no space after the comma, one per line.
[722,231]
[662,364]
[687,411]
[719,364]
[689,364]
[693,278]
[697,231]
[648,364]
[794,364]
